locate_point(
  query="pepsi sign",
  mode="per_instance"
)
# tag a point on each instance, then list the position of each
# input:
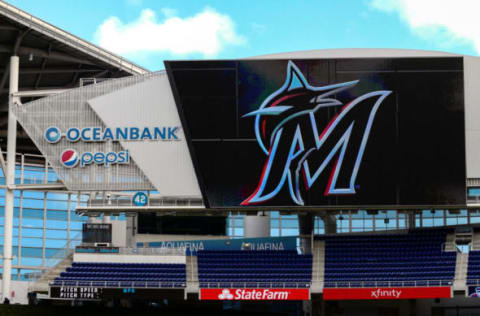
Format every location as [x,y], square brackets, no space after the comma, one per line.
[70,158]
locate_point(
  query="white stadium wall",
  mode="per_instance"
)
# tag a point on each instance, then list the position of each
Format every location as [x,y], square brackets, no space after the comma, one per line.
[472,115]
[161,162]
[167,164]
[116,258]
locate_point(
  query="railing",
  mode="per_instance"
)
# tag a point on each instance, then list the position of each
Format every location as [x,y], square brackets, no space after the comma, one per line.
[126,200]
[116,284]
[261,285]
[271,284]
[54,260]
[473,282]
[31,169]
[64,252]
[153,251]
[360,284]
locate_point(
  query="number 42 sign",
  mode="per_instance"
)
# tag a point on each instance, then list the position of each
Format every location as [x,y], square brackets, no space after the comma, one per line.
[140,199]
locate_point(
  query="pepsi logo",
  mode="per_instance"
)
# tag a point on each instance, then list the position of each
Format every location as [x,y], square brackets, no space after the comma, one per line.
[53,134]
[69,158]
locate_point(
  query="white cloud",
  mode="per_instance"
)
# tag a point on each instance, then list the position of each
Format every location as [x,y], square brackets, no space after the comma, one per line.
[208,33]
[446,20]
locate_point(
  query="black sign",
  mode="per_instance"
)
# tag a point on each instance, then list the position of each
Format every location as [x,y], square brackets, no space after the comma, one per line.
[94,293]
[323,133]
[101,233]
[73,292]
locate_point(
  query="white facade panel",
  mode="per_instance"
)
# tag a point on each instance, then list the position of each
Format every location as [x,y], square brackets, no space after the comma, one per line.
[167,164]
[71,110]
[114,258]
[472,115]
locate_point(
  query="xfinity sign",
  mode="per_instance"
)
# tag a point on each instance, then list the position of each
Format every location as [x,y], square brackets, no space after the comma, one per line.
[70,158]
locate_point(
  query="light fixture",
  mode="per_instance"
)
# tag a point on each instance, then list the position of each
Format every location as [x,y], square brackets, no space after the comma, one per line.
[30,57]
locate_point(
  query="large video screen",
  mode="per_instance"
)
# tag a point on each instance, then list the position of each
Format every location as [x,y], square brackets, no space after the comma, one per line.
[326,132]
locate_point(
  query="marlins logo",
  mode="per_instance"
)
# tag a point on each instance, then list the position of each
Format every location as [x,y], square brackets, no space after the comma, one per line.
[69,158]
[299,145]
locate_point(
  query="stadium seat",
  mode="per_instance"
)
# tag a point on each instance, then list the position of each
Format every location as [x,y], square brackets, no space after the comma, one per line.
[124,275]
[266,269]
[410,259]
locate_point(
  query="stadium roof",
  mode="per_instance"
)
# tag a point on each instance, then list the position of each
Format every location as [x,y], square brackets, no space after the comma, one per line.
[50,58]
[357,53]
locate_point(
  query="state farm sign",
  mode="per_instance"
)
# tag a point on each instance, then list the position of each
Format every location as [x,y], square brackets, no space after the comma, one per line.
[387,293]
[255,294]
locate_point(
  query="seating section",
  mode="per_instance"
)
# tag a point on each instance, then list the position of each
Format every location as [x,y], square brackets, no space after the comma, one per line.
[473,272]
[413,259]
[124,275]
[253,269]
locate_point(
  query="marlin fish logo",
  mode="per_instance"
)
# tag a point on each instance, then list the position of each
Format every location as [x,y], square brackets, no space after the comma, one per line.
[298,150]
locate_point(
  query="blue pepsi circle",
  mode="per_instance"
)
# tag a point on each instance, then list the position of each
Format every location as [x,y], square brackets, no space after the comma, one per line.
[140,199]
[53,134]
[69,158]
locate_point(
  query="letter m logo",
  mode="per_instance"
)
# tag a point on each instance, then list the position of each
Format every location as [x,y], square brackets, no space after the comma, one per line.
[299,151]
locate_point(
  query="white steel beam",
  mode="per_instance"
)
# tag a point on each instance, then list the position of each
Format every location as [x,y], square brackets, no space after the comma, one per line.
[38,93]
[10,180]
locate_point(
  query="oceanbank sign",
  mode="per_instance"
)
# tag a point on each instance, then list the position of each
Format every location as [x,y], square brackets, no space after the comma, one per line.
[70,158]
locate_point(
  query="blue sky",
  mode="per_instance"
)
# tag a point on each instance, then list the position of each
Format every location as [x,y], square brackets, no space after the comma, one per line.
[150,31]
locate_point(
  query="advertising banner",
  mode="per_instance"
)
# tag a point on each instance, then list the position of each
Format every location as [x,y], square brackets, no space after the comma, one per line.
[192,246]
[325,132]
[387,293]
[255,294]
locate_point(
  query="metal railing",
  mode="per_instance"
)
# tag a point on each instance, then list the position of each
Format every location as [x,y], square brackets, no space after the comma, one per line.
[126,200]
[116,284]
[271,284]
[153,251]
[63,252]
[362,284]
[473,281]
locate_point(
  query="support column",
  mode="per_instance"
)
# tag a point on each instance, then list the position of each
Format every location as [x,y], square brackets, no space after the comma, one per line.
[411,219]
[256,225]
[107,218]
[305,227]
[330,222]
[10,181]
[131,230]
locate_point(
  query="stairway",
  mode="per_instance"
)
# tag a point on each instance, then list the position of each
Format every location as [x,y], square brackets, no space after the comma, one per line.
[318,266]
[192,275]
[460,281]
[41,285]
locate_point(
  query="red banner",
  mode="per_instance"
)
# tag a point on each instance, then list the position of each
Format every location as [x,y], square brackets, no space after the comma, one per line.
[386,293]
[255,294]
